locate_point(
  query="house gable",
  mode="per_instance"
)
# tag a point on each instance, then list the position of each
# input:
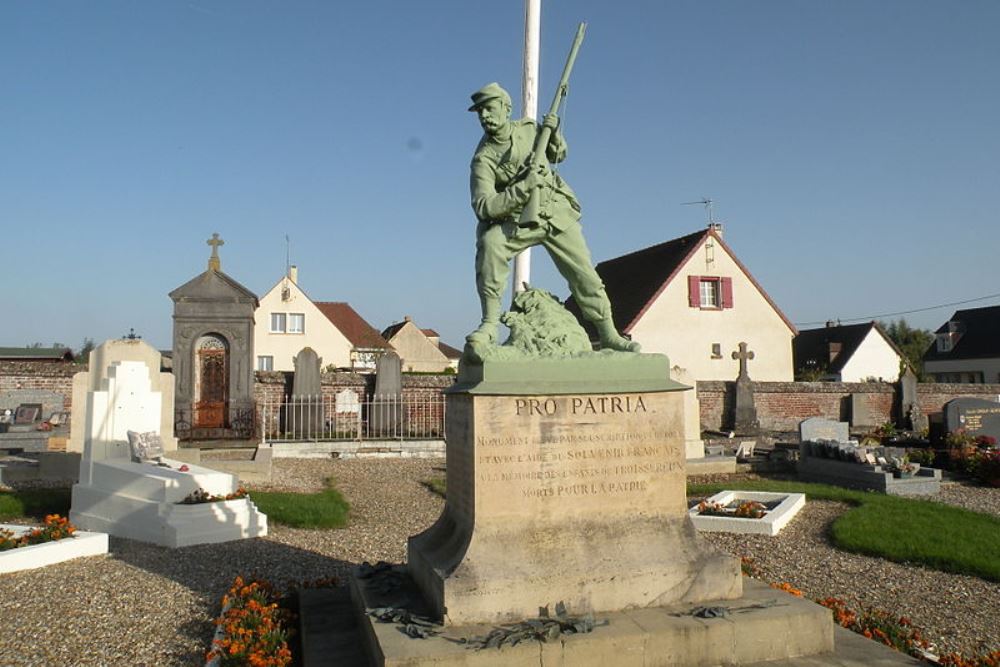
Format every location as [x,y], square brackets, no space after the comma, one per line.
[702,338]
[318,331]
[415,349]
[874,357]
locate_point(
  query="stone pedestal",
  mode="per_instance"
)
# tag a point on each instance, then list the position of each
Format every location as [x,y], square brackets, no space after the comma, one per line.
[566,493]
[571,497]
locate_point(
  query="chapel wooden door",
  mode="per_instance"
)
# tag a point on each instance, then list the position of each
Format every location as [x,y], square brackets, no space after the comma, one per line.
[210,409]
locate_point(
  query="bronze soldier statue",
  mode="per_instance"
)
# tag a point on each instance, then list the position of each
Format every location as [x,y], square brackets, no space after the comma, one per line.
[505,176]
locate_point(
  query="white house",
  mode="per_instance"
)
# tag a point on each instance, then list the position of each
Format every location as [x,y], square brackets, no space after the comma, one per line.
[693,300]
[847,353]
[287,320]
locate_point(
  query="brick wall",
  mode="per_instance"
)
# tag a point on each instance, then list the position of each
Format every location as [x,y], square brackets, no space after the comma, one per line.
[42,375]
[782,405]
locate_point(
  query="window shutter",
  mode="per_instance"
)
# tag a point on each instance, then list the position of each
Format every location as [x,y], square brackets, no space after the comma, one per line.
[727,292]
[694,291]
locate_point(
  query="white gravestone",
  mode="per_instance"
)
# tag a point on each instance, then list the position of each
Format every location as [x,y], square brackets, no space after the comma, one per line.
[142,501]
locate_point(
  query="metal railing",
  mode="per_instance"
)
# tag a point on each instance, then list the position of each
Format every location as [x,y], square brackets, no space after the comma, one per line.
[233,420]
[326,418]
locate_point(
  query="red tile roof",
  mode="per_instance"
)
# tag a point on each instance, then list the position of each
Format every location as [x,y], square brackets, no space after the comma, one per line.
[354,327]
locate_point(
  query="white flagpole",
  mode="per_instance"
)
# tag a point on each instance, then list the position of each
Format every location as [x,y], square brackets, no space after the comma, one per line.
[529,109]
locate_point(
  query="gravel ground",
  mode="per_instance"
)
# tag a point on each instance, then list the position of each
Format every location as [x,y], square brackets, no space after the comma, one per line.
[957,612]
[147,605]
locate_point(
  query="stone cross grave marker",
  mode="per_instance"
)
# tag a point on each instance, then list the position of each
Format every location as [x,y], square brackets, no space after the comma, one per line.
[746,413]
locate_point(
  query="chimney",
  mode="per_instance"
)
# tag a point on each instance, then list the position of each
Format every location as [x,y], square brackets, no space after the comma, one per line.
[407,318]
[716,227]
[293,274]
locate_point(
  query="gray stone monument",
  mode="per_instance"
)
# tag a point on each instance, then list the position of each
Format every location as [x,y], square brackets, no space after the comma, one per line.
[974,415]
[816,429]
[909,403]
[213,353]
[745,420]
[305,417]
[861,411]
[386,417]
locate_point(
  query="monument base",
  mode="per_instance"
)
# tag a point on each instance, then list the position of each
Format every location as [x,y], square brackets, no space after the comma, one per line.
[764,624]
[563,498]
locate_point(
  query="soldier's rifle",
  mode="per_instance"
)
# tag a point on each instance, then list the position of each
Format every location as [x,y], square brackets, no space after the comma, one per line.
[530,213]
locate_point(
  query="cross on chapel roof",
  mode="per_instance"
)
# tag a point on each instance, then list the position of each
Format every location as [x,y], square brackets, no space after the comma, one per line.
[214,263]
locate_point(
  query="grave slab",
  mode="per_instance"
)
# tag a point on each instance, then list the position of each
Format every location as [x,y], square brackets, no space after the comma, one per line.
[771,523]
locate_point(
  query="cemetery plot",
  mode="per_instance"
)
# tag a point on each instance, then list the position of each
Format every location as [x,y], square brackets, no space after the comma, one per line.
[754,512]
[827,456]
[81,544]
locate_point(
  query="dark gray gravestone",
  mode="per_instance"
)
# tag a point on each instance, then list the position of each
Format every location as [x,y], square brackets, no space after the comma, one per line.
[816,429]
[909,404]
[745,420]
[386,416]
[28,413]
[50,401]
[861,411]
[306,419]
[975,415]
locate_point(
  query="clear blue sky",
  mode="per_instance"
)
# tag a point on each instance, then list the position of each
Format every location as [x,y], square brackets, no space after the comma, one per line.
[852,149]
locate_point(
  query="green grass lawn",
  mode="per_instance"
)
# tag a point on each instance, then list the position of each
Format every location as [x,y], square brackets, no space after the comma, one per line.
[325,509]
[438,485]
[900,529]
[34,503]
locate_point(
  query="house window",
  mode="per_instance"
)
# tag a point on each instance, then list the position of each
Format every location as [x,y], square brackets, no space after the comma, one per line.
[296,323]
[265,363]
[278,323]
[710,292]
[944,342]
[716,350]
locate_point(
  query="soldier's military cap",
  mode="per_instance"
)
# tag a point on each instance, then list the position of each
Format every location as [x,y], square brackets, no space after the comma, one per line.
[490,91]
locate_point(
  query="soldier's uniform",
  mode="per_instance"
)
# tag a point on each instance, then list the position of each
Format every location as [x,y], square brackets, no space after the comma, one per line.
[498,198]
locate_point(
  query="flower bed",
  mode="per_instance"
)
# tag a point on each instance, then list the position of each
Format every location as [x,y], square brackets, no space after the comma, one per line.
[746,512]
[253,628]
[202,496]
[56,528]
[27,548]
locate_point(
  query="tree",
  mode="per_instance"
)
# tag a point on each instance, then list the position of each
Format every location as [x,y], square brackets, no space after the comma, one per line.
[84,353]
[911,341]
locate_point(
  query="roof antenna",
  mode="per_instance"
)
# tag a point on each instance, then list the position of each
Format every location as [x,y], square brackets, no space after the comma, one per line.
[286,292]
[707,203]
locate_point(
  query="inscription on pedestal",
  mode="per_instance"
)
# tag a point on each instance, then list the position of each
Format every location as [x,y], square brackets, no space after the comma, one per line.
[585,450]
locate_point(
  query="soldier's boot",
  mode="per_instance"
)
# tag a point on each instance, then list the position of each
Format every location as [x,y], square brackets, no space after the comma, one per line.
[485,336]
[611,339]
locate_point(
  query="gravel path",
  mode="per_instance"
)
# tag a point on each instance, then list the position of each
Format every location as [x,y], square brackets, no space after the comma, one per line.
[957,612]
[147,605]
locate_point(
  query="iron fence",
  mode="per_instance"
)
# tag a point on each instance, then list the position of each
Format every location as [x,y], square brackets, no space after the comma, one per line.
[347,416]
